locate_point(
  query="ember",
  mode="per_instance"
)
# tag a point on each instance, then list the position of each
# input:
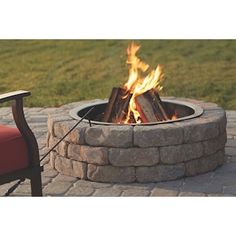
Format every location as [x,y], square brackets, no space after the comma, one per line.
[138,100]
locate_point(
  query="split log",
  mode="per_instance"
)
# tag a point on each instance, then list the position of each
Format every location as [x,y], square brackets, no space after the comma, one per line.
[151,108]
[158,105]
[145,108]
[167,113]
[117,107]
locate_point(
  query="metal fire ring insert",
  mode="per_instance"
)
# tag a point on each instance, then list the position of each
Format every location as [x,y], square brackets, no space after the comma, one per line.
[185,111]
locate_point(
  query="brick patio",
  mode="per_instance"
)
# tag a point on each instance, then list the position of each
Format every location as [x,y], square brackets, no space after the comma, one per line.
[221,182]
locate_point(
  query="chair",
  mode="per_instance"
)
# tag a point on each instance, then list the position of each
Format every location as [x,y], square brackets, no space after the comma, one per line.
[19,154]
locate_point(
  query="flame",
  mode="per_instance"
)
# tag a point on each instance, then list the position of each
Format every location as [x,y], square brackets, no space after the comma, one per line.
[174,117]
[138,84]
[135,65]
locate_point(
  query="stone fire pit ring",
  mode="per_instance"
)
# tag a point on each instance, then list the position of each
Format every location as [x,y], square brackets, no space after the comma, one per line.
[124,153]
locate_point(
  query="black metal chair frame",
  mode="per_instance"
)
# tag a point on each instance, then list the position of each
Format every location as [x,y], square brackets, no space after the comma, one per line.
[33,171]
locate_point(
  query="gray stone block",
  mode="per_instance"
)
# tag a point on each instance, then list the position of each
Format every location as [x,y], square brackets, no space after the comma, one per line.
[160,173]
[79,169]
[94,155]
[111,174]
[213,145]
[74,152]
[47,139]
[52,157]
[197,130]
[72,168]
[61,148]
[76,136]
[53,118]
[110,136]
[157,135]
[217,115]
[133,156]
[203,165]
[63,165]
[181,153]
[209,106]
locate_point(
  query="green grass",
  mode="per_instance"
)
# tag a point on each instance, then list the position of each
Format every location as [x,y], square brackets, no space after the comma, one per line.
[63,71]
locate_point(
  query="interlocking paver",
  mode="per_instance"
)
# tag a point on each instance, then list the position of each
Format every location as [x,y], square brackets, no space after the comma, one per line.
[231,159]
[161,192]
[107,192]
[134,192]
[224,178]
[230,189]
[89,184]
[221,182]
[191,194]
[81,191]
[231,143]
[226,168]
[50,173]
[57,188]
[231,151]
[134,186]
[64,178]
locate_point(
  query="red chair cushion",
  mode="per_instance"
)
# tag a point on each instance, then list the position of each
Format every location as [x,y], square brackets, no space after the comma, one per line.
[13,150]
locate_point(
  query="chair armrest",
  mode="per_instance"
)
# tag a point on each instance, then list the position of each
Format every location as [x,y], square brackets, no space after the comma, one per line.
[13,95]
[21,123]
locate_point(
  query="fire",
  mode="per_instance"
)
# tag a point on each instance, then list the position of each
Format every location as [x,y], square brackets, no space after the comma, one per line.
[138,83]
[174,117]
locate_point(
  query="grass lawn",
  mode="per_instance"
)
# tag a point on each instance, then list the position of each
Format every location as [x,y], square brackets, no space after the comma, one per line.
[63,71]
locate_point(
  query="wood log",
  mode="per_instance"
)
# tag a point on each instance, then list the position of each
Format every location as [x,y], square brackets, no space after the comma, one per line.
[145,108]
[151,108]
[166,111]
[110,104]
[117,107]
[158,105]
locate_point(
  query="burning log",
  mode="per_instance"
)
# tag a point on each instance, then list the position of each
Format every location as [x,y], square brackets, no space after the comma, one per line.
[151,108]
[117,107]
[145,109]
[148,104]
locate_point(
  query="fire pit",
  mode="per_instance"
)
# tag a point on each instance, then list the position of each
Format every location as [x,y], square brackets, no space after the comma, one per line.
[138,153]
[137,136]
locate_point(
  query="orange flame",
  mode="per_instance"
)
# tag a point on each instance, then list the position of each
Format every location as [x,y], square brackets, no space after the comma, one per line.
[138,84]
[174,117]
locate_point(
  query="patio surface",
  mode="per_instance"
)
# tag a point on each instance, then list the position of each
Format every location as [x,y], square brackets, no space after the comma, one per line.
[221,182]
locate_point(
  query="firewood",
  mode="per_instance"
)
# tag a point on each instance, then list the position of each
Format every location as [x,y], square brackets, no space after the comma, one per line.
[110,104]
[151,108]
[158,105]
[117,106]
[145,108]
[168,111]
